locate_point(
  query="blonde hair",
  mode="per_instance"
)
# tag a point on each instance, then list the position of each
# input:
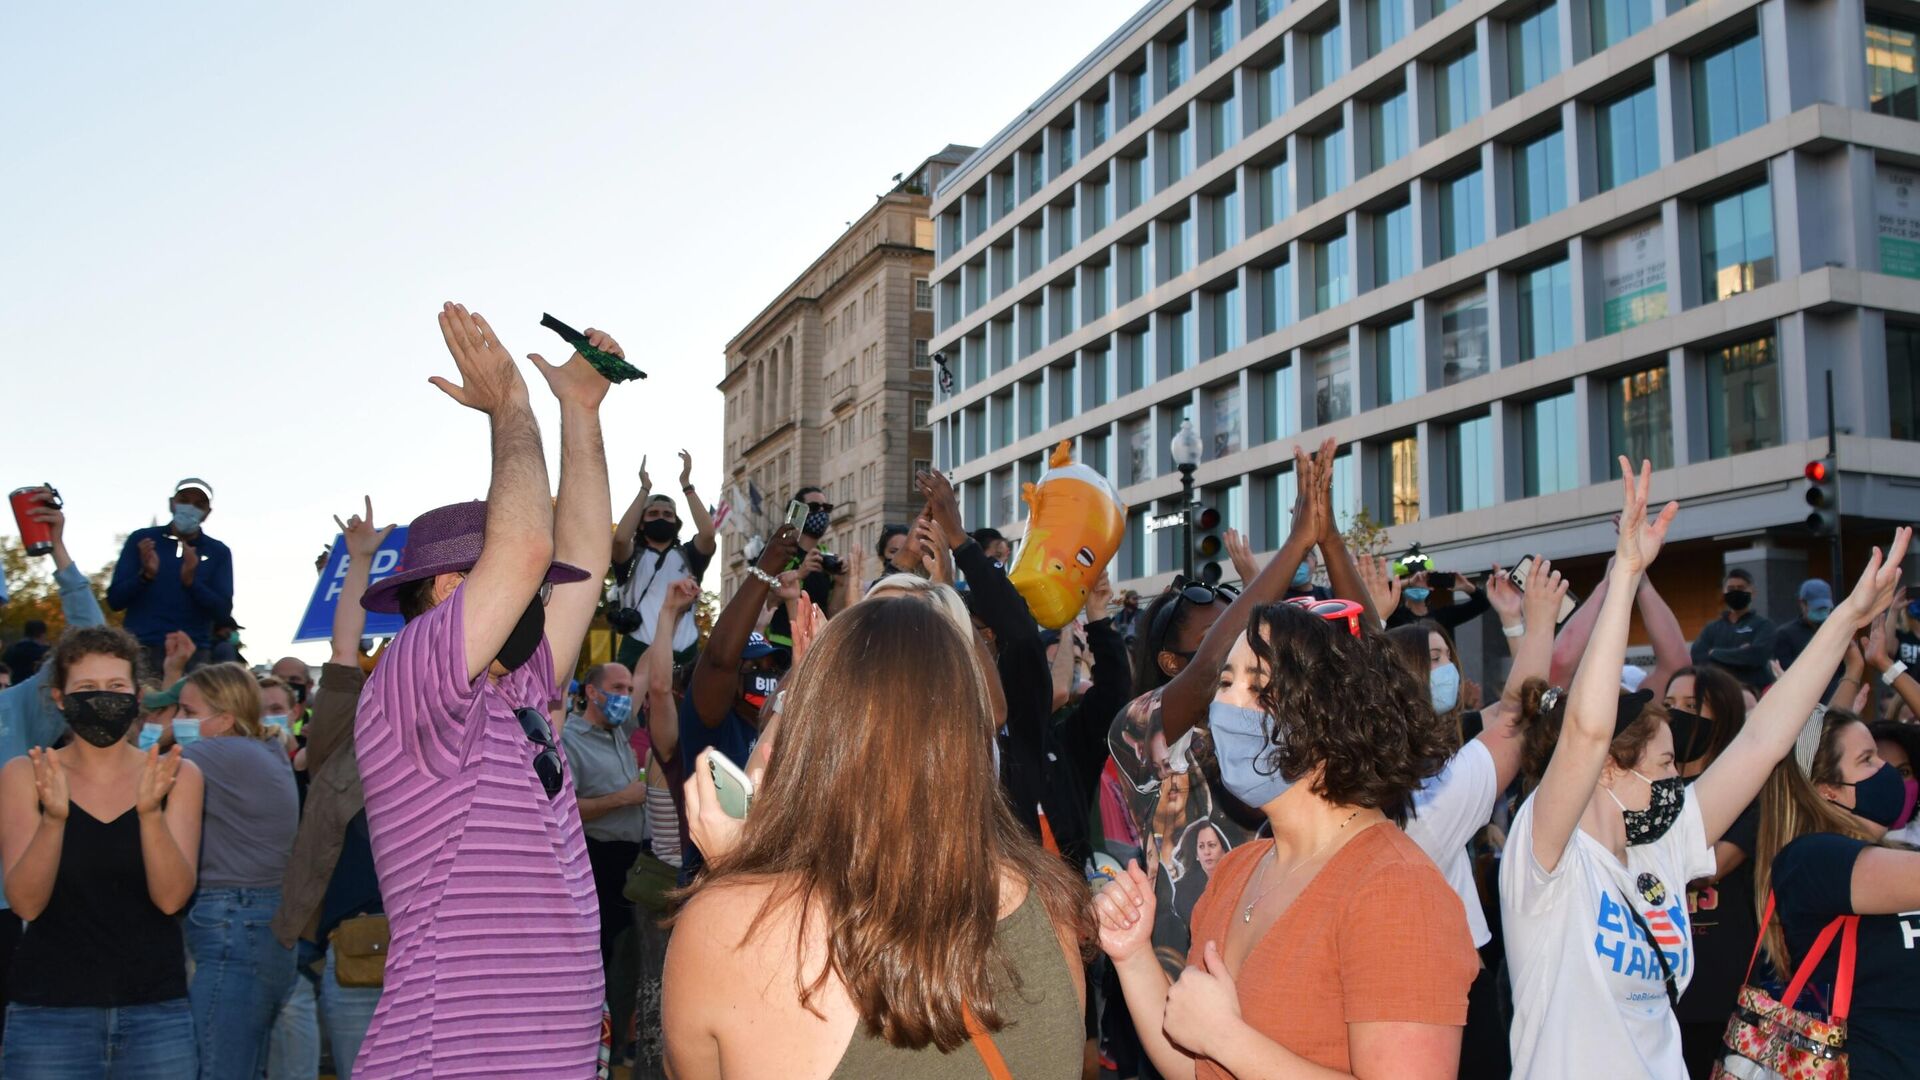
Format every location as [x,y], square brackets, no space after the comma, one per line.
[942,596]
[275,682]
[231,690]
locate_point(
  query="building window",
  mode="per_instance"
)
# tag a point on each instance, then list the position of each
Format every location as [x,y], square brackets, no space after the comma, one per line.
[1456,88]
[1533,48]
[1743,398]
[1464,346]
[1549,446]
[1276,297]
[1097,121]
[1332,383]
[1095,275]
[1176,57]
[1392,244]
[1223,117]
[1546,310]
[1893,68]
[1633,277]
[1097,366]
[1736,243]
[1033,416]
[1729,92]
[921,360]
[920,407]
[1273,91]
[922,294]
[1179,149]
[1134,88]
[1326,57]
[1386,24]
[1179,332]
[1463,214]
[1388,130]
[1281,412]
[1396,360]
[1329,162]
[1627,134]
[1400,481]
[1614,21]
[1275,194]
[1133,181]
[1264,10]
[1227,320]
[1133,271]
[1332,273]
[1470,465]
[1179,246]
[1639,420]
[1068,146]
[1221,27]
[1539,178]
[1223,216]
[1903,381]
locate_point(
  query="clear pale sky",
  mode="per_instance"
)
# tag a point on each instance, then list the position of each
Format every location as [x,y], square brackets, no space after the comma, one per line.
[225,230]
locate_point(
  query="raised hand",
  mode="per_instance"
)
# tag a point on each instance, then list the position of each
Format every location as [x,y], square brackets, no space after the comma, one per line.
[646,482]
[156,780]
[55,519]
[1507,600]
[809,622]
[1881,643]
[1100,599]
[489,379]
[1873,593]
[50,783]
[686,470]
[363,540]
[1240,552]
[1123,914]
[1640,538]
[780,551]
[149,559]
[936,555]
[681,595]
[179,653]
[1322,492]
[943,505]
[1546,589]
[577,382]
[1376,572]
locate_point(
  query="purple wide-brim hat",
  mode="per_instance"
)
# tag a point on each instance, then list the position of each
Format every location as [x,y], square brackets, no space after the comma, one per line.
[444,541]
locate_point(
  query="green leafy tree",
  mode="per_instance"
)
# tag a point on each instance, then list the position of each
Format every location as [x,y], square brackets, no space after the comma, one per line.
[32,593]
[1366,536]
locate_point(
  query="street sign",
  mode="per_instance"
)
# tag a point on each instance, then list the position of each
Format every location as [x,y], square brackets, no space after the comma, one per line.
[1166,521]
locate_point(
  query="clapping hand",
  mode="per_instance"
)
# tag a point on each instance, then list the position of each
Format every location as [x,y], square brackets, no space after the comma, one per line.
[489,379]
[189,562]
[943,506]
[50,783]
[936,555]
[577,383]
[149,559]
[809,622]
[156,780]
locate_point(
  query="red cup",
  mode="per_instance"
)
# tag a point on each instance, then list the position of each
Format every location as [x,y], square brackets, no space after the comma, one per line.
[35,534]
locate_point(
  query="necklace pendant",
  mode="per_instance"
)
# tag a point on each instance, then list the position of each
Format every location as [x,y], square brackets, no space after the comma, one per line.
[1247,916]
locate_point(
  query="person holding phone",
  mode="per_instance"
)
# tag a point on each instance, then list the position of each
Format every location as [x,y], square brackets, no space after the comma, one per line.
[1417,596]
[822,574]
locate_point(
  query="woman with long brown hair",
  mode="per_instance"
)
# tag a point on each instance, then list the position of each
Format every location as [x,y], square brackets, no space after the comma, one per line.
[882,907]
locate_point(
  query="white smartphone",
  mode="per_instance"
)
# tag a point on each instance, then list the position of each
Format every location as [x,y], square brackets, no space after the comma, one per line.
[1519,574]
[732,785]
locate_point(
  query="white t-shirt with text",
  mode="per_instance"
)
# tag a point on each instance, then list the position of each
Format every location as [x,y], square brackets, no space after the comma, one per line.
[1589,998]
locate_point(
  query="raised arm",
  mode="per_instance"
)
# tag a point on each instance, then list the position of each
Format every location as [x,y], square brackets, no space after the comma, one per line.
[995,601]
[704,536]
[363,542]
[663,722]
[1670,652]
[77,602]
[1184,701]
[1060,669]
[1880,658]
[1343,574]
[581,514]
[1532,654]
[1581,751]
[716,675]
[519,537]
[1772,726]
[1571,644]
[629,525]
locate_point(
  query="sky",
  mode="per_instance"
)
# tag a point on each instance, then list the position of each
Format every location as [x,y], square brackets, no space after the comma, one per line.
[226,229]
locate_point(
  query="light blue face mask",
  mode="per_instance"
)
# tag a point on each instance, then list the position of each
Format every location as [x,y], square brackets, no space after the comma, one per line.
[149,735]
[617,708]
[1303,576]
[1418,593]
[187,517]
[185,730]
[1245,753]
[1444,682]
[274,724]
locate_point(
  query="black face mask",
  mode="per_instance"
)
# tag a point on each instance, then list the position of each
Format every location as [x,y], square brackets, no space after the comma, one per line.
[101,717]
[661,530]
[817,522]
[1737,599]
[1689,735]
[1880,797]
[525,638]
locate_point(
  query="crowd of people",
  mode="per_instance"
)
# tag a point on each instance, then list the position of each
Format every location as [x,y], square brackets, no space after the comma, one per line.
[889,825]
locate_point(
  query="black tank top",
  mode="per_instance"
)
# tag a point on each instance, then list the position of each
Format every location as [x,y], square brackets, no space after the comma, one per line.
[101,942]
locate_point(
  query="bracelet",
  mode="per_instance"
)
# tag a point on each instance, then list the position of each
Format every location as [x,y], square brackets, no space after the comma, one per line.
[768,579]
[686,489]
[1518,629]
[1894,671]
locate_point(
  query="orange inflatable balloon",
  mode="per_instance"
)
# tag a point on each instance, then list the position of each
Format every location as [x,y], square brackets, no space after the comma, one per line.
[1074,527]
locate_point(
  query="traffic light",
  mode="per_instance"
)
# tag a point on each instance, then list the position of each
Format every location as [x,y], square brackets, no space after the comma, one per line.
[1823,500]
[1207,543]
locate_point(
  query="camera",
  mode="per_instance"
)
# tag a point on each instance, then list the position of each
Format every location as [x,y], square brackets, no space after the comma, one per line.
[623,620]
[833,564]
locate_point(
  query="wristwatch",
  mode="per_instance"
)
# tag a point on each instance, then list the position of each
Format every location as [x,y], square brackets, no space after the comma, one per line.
[686,489]
[1894,671]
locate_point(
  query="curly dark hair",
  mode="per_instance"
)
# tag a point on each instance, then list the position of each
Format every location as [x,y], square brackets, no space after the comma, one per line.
[83,641]
[1348,706]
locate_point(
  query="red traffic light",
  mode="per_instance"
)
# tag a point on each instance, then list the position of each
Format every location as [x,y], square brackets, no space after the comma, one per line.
[1817,471]
[1207,519]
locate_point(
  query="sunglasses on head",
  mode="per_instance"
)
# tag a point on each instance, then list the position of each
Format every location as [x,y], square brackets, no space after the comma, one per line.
[1333,611]
[1197,593]
[546,763]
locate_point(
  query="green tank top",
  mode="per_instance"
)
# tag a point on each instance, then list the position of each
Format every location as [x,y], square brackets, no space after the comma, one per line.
[1045,1029]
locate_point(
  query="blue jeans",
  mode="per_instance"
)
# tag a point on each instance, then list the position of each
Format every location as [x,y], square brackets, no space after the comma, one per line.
[293,1050]
[346,1012]
[240,976]
[133,1042]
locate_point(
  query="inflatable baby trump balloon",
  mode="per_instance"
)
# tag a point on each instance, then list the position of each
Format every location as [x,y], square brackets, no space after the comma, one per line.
[1073,528]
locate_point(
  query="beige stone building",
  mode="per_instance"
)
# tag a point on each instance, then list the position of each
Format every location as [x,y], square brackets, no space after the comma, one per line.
[831,382]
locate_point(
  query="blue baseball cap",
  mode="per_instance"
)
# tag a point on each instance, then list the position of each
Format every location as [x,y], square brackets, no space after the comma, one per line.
[758,647]
[1818,596]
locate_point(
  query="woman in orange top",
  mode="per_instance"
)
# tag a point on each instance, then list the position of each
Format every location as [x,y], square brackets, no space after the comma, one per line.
[1336,948]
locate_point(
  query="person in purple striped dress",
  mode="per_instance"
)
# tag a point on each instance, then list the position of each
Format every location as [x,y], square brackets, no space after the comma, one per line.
[494,966]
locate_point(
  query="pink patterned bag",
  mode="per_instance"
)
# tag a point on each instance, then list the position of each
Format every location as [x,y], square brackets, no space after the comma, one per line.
[1770,1039]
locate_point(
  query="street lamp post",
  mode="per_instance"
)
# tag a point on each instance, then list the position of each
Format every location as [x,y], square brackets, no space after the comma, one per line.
[1185,451]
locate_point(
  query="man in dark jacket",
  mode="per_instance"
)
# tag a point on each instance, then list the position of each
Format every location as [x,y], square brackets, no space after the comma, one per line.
[174,576]
[1741,640]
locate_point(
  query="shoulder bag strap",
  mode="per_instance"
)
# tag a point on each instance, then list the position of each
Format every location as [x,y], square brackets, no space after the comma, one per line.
[989,1053]
[1815,954]
[1666,970]
[1843,981]
[1759,940]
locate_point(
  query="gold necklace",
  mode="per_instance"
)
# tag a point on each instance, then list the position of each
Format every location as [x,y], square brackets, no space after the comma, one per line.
[1247,915]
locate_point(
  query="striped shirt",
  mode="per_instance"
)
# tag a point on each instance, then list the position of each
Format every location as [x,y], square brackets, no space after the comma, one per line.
[494,966]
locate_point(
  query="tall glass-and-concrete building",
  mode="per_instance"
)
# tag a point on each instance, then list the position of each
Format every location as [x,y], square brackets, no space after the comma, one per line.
[1485,246]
